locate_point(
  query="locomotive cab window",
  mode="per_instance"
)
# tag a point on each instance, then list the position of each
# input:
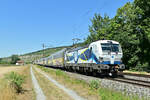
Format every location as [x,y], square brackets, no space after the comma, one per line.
[108,47]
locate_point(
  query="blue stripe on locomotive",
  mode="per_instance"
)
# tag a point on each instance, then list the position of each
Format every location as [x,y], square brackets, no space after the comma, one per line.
[117,62]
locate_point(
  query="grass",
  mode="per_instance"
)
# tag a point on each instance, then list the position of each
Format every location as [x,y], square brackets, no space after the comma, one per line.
[7,92]
[29,93]
[107,94]
[51,91]
[80,86]
[91,91]
[7,65]
[16,80]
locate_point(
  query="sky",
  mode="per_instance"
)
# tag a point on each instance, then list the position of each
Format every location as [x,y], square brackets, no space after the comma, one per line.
[26,24]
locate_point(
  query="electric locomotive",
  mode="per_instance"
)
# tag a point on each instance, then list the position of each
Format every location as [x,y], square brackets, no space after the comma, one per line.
[103,57]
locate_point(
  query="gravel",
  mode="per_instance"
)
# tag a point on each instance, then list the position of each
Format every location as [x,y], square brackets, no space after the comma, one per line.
[125,88]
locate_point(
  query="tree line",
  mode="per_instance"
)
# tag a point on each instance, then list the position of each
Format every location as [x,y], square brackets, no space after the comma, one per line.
[13,59]
[131,27]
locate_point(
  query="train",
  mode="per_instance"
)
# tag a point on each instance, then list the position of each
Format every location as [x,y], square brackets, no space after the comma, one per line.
[102,57]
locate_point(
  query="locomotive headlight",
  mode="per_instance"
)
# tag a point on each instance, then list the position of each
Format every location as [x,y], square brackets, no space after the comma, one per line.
[122,66]
[101,59]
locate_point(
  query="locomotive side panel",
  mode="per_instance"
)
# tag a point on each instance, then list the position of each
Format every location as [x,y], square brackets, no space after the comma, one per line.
[85,56]
[81,56]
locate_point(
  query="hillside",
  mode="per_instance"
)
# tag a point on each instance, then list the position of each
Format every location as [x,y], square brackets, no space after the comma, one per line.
[30,57]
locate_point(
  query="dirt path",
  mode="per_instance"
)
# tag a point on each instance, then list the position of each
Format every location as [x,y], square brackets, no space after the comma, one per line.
[39,93]
[51,91]
[71,93]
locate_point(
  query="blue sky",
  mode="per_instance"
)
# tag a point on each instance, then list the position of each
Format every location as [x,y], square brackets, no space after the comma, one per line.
[26,24]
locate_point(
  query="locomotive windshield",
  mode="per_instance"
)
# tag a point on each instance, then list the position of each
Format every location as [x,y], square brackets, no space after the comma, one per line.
[109,47]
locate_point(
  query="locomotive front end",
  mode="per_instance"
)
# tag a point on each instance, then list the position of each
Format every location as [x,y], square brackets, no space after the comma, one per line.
[111,55]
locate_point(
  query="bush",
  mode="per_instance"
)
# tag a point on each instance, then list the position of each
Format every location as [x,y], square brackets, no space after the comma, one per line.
[94,84]
[16,80]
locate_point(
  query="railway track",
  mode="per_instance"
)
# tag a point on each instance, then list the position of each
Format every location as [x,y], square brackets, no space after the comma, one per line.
[121,79]
[131,81]
[137,75]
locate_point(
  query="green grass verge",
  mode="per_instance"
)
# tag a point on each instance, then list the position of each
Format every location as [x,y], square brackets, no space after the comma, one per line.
[94,86]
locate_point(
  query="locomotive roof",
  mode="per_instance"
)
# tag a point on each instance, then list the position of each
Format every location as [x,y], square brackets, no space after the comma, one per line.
[86,46]
[106,41]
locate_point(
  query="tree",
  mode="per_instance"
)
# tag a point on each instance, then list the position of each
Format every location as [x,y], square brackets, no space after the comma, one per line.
[144,30]
[130,27]
[1,59]
[126,34]
[14,59]
[99,28]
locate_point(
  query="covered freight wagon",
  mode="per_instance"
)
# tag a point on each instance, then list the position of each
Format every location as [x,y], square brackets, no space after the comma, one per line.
[56,59]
